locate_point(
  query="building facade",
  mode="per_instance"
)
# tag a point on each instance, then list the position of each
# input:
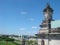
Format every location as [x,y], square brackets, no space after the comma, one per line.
[48,35]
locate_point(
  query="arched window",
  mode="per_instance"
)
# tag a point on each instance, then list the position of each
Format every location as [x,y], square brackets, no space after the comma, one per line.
[42,42]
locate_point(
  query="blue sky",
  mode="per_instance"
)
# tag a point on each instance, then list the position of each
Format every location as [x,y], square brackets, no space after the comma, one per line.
[24,16]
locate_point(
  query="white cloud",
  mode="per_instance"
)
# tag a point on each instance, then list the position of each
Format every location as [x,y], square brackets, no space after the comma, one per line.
[31,19]
[34,27]
[23,12]
[22,29]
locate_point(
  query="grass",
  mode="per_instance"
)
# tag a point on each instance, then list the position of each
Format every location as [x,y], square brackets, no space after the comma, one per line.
[9,43]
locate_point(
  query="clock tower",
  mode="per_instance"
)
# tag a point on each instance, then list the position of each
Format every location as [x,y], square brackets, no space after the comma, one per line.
[46,34]
[46,24]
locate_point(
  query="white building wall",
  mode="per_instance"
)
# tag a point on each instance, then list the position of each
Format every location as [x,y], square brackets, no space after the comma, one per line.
[55,42]
[39,41]
[45,40]
[51,42]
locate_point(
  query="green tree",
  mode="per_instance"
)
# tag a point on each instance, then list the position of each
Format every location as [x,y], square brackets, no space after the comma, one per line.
[31,42]
[6,38]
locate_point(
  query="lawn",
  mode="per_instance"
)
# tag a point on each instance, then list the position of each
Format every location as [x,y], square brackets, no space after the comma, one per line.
[9,43]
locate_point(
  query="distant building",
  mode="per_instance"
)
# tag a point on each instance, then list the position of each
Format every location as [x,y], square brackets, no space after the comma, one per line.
[32,38]
[16,37]
[48,35]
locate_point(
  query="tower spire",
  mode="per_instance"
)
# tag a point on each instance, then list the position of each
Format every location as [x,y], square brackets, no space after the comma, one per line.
[48,5]
[48,8]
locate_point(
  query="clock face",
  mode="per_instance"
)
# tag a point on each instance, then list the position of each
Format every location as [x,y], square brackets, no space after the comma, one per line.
[46,16]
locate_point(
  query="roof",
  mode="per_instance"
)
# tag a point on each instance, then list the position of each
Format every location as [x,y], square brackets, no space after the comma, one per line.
[55,24]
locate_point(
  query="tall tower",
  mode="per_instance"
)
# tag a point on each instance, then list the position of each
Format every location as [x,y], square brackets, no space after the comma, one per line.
[46,35]
[46,24]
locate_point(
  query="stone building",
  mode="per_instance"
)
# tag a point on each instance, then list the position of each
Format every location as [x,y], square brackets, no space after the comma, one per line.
[48,35]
